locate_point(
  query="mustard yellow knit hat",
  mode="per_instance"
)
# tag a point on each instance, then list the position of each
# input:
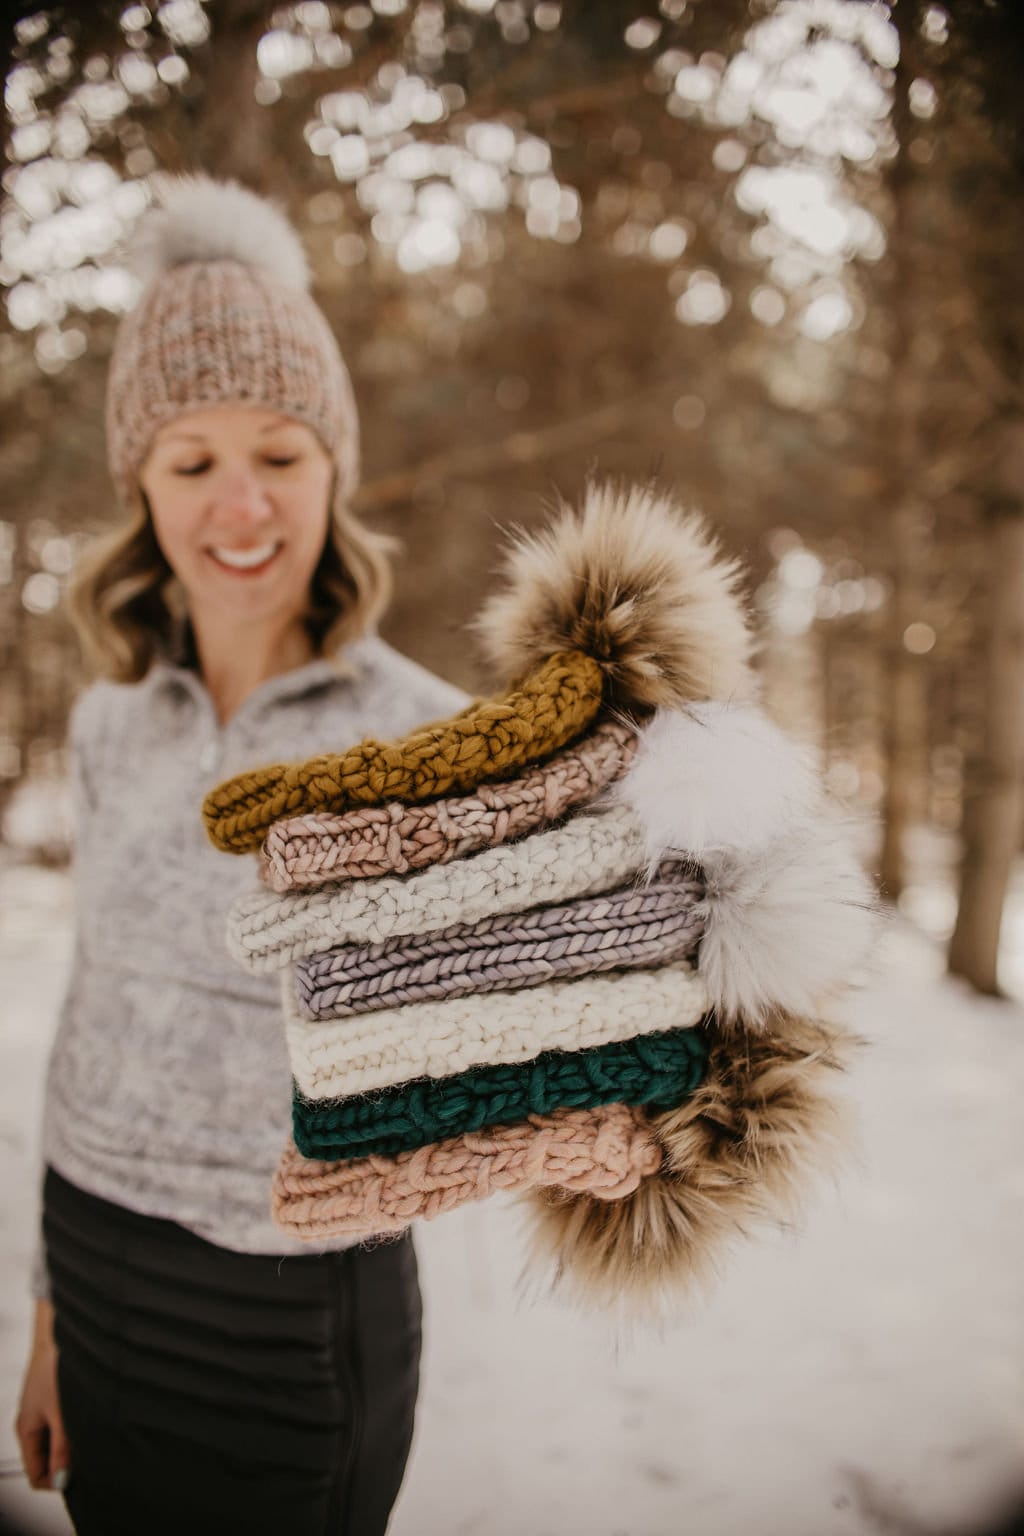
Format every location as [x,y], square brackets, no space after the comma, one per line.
[225,315]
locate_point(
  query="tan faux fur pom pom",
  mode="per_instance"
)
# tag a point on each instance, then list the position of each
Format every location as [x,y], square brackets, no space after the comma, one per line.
[741,1150]
[635,581]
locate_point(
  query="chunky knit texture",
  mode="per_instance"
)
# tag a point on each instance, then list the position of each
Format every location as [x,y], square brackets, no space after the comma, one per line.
[307,851]
[550,707]
[633,926]
[602,1152]
[591,852]
[342,1057]
[657,1070]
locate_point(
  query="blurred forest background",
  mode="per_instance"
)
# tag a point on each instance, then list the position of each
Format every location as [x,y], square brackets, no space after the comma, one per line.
[766,251]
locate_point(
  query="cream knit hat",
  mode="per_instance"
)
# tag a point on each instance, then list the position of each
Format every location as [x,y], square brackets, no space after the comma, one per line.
[225,315]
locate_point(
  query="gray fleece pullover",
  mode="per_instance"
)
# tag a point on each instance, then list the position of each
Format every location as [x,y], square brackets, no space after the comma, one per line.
[168,1088]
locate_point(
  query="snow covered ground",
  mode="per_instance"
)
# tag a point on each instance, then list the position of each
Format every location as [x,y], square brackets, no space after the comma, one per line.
[863,1374]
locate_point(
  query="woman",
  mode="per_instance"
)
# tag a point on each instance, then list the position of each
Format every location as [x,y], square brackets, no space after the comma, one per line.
[192,1368]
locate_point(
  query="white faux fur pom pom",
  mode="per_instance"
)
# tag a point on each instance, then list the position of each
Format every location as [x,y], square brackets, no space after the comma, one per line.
[788,926]
[789,914]
[197,218]
[716,775]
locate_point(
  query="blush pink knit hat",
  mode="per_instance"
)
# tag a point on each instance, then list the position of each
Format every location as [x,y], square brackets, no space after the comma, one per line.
[225,316]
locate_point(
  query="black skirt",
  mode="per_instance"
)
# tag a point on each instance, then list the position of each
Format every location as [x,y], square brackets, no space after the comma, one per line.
[209,1391]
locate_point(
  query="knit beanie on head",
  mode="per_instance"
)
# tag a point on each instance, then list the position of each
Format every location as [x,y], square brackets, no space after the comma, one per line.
[225,316]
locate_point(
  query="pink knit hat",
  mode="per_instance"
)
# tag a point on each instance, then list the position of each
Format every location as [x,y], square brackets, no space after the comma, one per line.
[225,316]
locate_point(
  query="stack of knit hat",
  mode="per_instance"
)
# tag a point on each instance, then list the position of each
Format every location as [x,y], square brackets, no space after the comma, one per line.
[574,940]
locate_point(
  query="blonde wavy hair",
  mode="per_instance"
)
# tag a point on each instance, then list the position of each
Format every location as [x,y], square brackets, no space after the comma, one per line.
[128,607]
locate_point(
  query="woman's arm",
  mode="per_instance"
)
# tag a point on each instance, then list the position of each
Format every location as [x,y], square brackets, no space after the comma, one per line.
[39,1424]
[85,726]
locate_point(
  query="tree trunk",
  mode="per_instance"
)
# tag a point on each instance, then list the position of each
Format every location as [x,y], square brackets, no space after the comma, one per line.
[994,793]
[904,707]
[904,721]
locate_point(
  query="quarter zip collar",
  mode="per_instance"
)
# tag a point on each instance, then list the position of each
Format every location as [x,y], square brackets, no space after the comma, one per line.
[320,673]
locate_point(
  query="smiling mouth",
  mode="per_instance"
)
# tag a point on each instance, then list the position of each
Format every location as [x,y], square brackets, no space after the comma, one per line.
[245,562]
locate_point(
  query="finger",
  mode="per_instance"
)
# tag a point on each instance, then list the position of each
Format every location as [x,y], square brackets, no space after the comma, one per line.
[35,1455]
[60,1459]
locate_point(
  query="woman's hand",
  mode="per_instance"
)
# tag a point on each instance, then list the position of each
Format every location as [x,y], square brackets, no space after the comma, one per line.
[39,1426]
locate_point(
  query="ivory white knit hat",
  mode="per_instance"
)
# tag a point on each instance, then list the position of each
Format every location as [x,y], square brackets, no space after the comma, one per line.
[226,316]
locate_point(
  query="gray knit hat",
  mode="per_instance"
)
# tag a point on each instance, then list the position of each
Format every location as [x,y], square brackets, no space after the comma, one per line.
[225,315]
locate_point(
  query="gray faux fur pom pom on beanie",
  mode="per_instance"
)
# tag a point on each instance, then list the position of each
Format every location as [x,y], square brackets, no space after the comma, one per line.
[196,218]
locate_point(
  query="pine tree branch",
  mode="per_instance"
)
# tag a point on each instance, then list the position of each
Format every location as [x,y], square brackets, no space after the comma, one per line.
[525,447]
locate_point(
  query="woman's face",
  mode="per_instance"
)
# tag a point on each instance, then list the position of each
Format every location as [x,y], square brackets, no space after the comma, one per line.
[240,503]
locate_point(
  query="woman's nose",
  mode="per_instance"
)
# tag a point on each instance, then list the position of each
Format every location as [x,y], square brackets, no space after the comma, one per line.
[243,496]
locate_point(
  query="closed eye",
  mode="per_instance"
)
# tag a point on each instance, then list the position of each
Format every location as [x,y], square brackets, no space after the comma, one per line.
[198,469]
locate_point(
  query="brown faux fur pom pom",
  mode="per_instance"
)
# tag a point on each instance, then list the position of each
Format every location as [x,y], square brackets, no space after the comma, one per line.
[637,583]
[740,1150]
